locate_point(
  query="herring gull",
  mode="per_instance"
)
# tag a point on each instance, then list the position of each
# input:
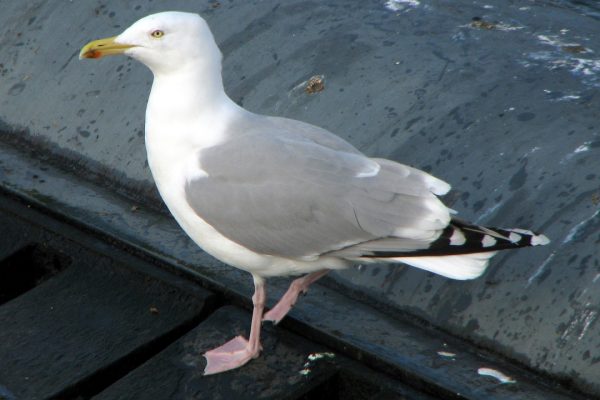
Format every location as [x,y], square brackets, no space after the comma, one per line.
[279,197]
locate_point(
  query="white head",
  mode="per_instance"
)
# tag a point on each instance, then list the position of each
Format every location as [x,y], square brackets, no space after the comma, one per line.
[165,42]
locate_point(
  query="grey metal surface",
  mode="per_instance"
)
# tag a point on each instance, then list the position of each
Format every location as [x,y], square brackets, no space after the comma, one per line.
[505,108]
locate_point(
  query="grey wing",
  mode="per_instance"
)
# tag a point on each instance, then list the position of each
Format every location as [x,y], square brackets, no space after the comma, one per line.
[313,134]
[291,196]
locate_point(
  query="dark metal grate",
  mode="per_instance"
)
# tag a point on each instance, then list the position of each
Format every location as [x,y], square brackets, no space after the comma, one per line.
[27,268]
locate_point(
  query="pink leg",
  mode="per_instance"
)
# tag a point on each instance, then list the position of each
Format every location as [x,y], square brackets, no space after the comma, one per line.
[290,297]
[238,351]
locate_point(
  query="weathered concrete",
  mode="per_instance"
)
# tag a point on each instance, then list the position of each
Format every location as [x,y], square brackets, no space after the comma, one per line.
[505,109]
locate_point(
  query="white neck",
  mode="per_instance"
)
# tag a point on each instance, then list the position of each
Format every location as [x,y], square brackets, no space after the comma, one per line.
[189,107]
[193,89]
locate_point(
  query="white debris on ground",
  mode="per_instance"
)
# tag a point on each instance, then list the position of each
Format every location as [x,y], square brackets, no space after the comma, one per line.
[446,354]
[486,25]
[312,357]
[566,55]
[318,356]
[583,147]
[495,374]
[401,5]
[539,270]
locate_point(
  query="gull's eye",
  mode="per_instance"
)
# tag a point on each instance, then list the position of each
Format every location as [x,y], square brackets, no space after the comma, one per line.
[157,34]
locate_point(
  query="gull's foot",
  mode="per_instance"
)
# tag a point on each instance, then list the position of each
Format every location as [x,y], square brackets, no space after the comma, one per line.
[280,310]
[298,286]
[231,355]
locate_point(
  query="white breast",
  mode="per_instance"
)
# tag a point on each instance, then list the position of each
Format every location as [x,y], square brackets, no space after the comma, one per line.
[173,157]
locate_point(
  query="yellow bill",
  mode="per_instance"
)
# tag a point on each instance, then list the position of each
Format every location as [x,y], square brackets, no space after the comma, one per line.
[103,47]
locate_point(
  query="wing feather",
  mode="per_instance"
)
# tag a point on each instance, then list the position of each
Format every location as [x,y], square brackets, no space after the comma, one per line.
[286,189]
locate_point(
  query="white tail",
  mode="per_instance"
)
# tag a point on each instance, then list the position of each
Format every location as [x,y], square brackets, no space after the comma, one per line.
[458,266]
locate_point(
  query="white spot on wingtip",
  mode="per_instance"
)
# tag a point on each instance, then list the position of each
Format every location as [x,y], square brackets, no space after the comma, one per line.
[539,240]
[514,237]
[496,374]
[457,238]
[488,241]
[446,354]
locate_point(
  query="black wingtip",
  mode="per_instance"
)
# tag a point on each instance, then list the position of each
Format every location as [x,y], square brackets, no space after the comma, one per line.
[460,237]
